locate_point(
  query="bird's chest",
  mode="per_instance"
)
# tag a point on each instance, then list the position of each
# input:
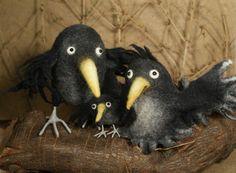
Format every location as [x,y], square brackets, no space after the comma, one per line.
[150,117]
[71,85]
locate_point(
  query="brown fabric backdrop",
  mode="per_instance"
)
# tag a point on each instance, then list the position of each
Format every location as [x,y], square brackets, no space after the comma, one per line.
[188,36]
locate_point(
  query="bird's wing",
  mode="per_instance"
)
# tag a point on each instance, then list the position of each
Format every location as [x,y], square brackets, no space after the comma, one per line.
[211,92]
[126,56]
[37,74]
[82,116]
[119,55]
[111,85]
[119,58]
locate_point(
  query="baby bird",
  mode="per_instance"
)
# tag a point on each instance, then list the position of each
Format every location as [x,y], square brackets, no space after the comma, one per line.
[101,112]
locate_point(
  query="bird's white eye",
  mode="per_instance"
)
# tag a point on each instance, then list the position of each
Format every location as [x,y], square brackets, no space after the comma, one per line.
[130,74]
[154,74]
[93,106]
[108,104]
[71,50]
[98,51]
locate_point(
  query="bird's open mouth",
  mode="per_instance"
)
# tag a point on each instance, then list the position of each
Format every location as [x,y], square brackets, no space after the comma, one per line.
[138,87]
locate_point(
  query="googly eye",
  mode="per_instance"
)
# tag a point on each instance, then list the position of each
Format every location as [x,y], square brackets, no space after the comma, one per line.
[154,74]
[98,51]
[129,74]
[108,104]
[93,106]
[71,50]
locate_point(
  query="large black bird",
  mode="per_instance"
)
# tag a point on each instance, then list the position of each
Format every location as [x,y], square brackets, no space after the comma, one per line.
[73,70]
[164,113]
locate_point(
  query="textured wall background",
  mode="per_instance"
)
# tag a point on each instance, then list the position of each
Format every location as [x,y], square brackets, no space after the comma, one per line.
[188,36]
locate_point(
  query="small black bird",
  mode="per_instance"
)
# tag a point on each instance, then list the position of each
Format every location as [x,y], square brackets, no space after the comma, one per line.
[103,111]
[161,108]
[73,70]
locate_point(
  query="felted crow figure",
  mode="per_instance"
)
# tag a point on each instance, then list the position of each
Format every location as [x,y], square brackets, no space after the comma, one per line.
[73,70]
[161,108]
[102,112]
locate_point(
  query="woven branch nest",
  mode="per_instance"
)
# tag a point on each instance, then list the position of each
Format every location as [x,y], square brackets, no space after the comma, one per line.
[82,152]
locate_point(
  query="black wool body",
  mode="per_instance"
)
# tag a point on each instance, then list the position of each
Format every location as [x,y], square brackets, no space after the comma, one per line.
[73,70]
[103,111]
[165,113]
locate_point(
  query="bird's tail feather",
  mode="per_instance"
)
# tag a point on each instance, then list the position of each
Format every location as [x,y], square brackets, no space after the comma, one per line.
[228,87]
[213,93]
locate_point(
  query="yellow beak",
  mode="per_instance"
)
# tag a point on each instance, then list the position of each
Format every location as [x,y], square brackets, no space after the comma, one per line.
[89,72]
[101,109]
[137,87]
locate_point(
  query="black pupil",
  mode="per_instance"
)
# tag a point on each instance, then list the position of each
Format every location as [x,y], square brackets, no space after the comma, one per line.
[71,49]
[100,50]
[154,73]
[129,73]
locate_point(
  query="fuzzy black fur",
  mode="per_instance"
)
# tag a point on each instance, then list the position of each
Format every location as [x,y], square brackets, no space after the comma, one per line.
[57,71]
[165,113]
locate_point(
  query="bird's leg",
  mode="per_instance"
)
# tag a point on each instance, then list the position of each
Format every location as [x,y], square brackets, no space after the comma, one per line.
[102,132]
[182,133]
[200,117]
[83,126]
[167,142]
[53,119]
[146,145]
[114,131]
